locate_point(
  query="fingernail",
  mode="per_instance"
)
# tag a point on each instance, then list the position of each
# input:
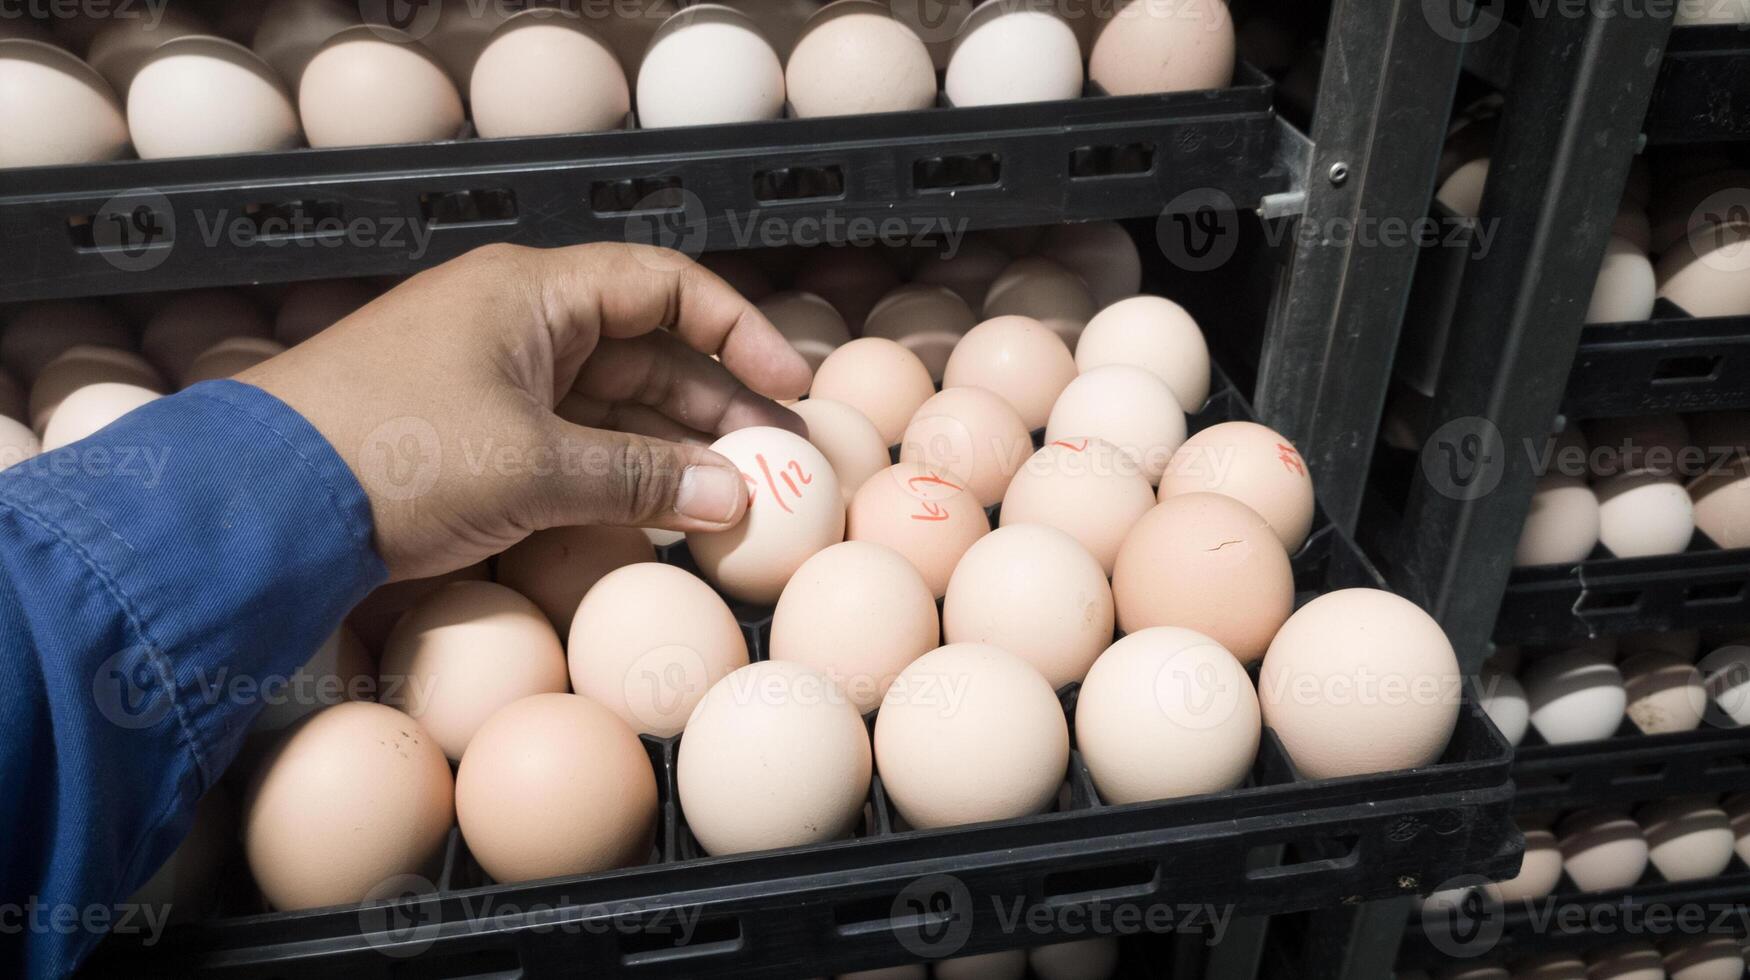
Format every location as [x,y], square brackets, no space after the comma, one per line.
[710,493]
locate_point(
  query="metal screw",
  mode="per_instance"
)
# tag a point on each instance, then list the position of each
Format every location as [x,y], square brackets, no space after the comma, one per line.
[1339,173]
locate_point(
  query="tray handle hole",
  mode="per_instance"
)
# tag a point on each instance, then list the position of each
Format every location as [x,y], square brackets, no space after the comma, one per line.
[1687,370]
[956,173]
[474,963]
[134,229]
[486,206]
[1122,160]
[282,220]
[1324,852]
[1132,879]
[1604,601]
[637,195]
[799,184]
[664,939]
[1709,593]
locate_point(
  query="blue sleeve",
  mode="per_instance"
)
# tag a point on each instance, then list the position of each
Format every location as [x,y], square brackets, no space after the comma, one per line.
[209,536]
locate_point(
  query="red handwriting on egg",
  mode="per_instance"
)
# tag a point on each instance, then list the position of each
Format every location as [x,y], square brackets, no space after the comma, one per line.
[1080,446]
[929,510]
[786,482]
[1290,459]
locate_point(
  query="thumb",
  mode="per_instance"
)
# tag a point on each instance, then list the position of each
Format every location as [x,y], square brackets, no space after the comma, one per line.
[631,480]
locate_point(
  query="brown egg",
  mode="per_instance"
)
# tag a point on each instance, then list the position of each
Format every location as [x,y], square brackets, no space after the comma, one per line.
[354,797]
[1017,358]
[583,89]
[781,21]
[555,784]
[1152,333]
[308,308]
[926,517]
[41,332]
[1722,504]
[971,435]
[118,50]
[290,31]
[372,85]
[850,277]
[1207,563]
[199,95]
[54,109]
[809,323]
[848,440]
[1102,253]
[1707,272]
[340,670]
[1164,46]
[556,567]
[1040,288]
[85,365]
[926,320]
[855,57]
[968,269]
[1127,406]
[375,616]
[1085,488]
[1253,464]
[879,378]
[231,357]
[192,322]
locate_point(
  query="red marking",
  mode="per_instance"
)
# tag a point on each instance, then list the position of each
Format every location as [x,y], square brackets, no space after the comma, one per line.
[794,483]
[931,479]
[933,512]
[1290,459]
[766,471]
[1072,446]
[801,474]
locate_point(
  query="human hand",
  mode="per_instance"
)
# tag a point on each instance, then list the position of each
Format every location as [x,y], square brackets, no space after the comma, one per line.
[516,389]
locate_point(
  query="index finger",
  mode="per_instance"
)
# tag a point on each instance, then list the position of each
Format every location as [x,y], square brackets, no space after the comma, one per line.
[619,291]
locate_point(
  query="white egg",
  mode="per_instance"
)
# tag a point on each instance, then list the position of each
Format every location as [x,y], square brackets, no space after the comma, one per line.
[1012,51]
[1575,696]
[1644,514]
[709,64]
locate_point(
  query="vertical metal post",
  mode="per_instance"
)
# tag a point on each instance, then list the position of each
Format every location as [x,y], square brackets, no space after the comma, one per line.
[1581,83]
[1384,97]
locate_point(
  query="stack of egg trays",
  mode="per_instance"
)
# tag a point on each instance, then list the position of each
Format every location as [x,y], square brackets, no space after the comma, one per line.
[1630,766]
[1279,843]
[1692,101]
[1670,362]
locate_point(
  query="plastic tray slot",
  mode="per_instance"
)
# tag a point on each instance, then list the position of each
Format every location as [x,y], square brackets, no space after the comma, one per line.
[637,195]
[486,206]
[782,185]
[710,937]
[1709,593]
[1690,369]
[140,227]
[956,173]
[1120,160]
[287,220]
[1109,883]
[1302,856]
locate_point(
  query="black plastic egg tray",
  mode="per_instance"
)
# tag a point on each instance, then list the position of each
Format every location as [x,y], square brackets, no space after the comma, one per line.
[1705,586]
[1630,767]
[149,225]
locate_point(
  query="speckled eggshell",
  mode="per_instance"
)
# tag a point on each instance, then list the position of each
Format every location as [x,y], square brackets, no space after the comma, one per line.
[921,514]
[1017,358]
[709,64]
[580,84]
[555,568]
[1360,681]
[1562,525]
[1721,504]
[808,322]
[462,653]
[555,784]
[1665,692]
[1126,406]
[1010,51]
[971,435]
[1253,464]
[795,508]
[1164,46]
[854,56]
[39,333]
[1688,838]
[1153,333]
[924,319]
[1576,696]
[192,322]
[355,796]
[970,733]
[648,641]
[1164,713]
[1207,563]
[1602,849]
[1102,253]
[1641,514]
[78,367]
[54,109]
[1045,291]
[199,95]
[878,378]
[774,756]
[230,357]
[1085,488]
[848,440]
[1539,872]
[371,85]
[90,409]
[1036,592]
[1083,959]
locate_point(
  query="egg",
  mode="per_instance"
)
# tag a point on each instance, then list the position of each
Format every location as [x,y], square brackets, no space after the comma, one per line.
[1643,514]
[853,278]
[1688,838]
[1704,272]
[809,323]
[910,971]
[1360,681]
[465,651]
[968,270]
[1462,192]
[290,31]
[631,27]
[582,87]
[14,402]
[1602,849]
[340,670]
[1125,406]
[1009,964]
[1504,701]
[1036,592]
[1625,288]
[973,437]
[39,333]
[781,21]
[1550,966]
[1045,291]
[1664,692]
[1253,464]
[924,319]
[1083,959]
[89,409]
[188,884]
[923,515]
[880,379]
[1727,678]
[849,441]
[1010,51]
[555,784]
[1575,696]
[1737,807]
[1085,488]
[1721,503]
[1102,254]
[372,85]
[774,756]
[1166,712]
[55,109]
[1155,334]
[1163,46]
[648,641]
[795,508]
[82,366]
[190,323]
[1627,961]
[17,443]
[970,733]
[709,64]
[1652,443]
[461,32]
[1017,358]
[373,618]
[1704,958]
[308,308]
[1539,871]
[123,45]
[356,795]
[556,567]
[1562,525]
[854,57]
[1207,563]
[200,95]
[229,358]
